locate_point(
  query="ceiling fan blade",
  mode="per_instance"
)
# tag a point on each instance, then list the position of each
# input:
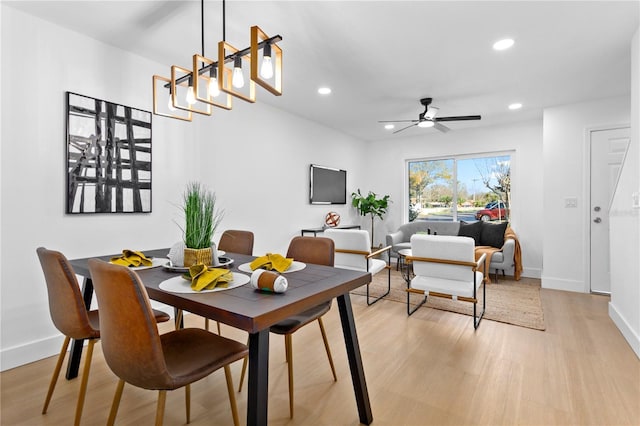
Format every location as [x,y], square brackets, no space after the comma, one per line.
[405,128]
[441,127]
[459,118]
[398,121]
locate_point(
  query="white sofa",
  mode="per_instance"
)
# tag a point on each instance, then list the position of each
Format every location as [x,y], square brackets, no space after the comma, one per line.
[401,239]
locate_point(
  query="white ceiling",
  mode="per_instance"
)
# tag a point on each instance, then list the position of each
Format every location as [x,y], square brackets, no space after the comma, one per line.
[381,57]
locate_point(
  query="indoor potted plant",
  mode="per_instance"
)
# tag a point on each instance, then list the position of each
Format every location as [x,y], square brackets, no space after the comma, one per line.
[370,205]
[201,220]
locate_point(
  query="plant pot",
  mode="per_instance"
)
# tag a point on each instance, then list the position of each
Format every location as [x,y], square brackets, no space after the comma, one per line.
[195,256]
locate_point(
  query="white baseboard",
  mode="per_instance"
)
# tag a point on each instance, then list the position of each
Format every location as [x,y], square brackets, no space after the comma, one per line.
[532,272]
[563,284]
[629,334]
[37,350]
[30,352]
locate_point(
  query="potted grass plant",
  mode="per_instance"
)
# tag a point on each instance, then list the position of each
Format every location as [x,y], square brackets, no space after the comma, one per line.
[201,219]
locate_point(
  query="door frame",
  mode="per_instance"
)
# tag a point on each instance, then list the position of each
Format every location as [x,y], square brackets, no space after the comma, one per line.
[586,190]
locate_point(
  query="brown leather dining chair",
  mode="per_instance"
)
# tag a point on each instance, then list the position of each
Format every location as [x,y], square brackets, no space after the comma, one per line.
[319,251]
[231,241]
[236,241]
[139,355]
[70,316]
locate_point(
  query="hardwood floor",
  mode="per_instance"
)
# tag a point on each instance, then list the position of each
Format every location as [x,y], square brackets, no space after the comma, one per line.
[430,368]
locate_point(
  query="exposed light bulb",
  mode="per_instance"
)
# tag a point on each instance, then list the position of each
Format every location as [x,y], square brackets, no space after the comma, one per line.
[191,94]
[266,68]
[170,104]
[214,90]
[237,79]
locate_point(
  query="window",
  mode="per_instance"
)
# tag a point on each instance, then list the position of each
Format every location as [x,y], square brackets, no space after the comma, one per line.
[465,188]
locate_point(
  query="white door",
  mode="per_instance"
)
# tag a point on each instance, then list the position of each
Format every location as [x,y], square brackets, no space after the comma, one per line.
[608,148]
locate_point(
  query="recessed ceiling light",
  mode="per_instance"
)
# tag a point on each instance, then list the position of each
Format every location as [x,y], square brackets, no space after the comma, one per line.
[389,126]
[516,105]
[503,44]
[324,90]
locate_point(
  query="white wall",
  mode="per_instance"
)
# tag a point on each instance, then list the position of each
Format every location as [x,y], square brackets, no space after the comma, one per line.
[624,308]
[263,181]
[386,170]
[566,174]
[232,153]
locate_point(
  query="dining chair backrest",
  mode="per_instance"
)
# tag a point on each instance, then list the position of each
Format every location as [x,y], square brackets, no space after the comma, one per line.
[316,250]
[442,247]
[130,338]
[236,241]
[66,305]
[355,240]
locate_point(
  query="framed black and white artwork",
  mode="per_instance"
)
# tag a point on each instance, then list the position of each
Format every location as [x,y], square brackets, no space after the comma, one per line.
[108,157]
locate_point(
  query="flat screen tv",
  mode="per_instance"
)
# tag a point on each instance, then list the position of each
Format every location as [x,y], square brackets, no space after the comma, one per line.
[327,185]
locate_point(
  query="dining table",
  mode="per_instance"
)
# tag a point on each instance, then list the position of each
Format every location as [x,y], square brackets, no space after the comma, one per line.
[254,311]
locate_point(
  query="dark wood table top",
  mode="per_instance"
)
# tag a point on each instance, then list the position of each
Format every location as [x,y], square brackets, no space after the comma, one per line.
[244,307]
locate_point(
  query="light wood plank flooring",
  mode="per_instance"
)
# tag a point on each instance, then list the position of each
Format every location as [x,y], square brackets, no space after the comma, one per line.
[431,368]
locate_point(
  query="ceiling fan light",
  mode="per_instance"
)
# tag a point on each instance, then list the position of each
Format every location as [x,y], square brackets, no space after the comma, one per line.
[426,124]
[431,112]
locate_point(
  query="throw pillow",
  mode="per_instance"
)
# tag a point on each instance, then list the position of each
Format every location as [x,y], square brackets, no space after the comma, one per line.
[493,234]
[472,230]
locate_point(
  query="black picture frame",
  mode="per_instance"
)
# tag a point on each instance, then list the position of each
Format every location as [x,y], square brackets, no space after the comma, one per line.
[108,157]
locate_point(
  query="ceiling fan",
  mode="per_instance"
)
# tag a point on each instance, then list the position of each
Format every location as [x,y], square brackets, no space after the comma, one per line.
[428,118]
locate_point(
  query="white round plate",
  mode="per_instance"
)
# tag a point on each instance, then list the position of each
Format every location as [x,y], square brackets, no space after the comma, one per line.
[295,266]
[180,285]
[224,261]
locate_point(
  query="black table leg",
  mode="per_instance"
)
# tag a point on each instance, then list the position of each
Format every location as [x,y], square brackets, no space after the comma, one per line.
[76,346]
[355,360]
[258,388]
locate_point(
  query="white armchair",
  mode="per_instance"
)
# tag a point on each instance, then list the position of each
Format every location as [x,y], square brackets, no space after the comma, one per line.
[353,251]
[445,266]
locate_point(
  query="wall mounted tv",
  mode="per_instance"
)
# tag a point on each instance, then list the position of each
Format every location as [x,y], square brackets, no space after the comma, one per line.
[327,185]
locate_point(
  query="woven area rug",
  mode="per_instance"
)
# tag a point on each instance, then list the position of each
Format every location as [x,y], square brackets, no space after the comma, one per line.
[508,301]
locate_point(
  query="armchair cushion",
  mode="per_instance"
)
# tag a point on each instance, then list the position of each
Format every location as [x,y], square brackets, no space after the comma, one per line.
[472,230]
[493,234]
[358,241]
[443,247]
[445,286]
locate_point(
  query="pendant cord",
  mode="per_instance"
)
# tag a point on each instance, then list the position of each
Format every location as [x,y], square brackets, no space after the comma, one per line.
[224,38]
[202,25]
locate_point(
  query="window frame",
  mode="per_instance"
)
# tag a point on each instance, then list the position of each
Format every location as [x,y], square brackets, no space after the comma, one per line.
[456,158]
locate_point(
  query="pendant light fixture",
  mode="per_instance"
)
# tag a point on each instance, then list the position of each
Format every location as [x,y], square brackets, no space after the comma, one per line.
[238,79]
[213,83]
